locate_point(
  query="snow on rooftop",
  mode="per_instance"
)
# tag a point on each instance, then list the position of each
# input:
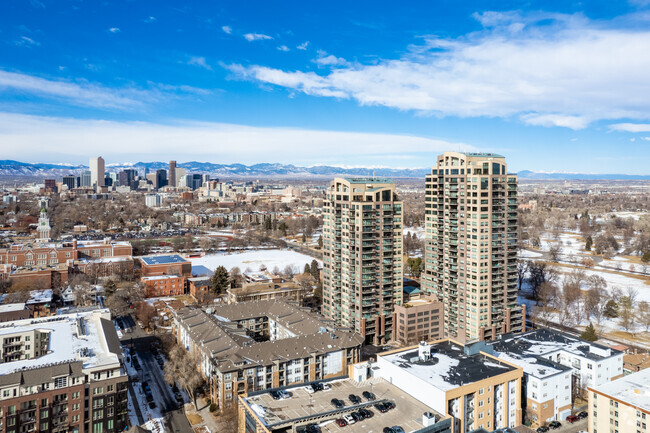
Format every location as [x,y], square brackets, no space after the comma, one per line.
[633,389]
[39,296]
[18,306]
[65,342]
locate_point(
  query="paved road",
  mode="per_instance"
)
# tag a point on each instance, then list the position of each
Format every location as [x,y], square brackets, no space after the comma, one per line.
[175,419]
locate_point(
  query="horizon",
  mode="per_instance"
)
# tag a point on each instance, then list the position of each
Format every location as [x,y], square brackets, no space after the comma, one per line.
[554,87]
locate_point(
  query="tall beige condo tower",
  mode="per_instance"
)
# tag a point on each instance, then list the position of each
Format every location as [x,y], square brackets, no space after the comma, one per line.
[172,174]
[471,245]
[97,172]
[362,255]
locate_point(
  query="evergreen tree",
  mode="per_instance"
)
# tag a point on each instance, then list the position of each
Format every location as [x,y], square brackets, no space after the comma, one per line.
[307,269]
[220,280]
[320,241]
[589,333]
[304,238]
[314,271]
[589,243]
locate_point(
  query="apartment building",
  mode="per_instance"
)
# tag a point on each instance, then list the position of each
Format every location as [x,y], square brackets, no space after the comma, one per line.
[476,389]
[621,406]
[418,320]
[260,345]
[62,374]
[265,291]
[470,238]
[554,364]
[362,255]
[163,285]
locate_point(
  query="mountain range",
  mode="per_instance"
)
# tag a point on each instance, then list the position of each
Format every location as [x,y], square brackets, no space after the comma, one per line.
[9,168]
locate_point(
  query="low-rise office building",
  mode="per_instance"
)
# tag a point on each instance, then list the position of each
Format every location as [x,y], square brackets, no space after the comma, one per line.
[165,264]
[418,320]
[621,406]
[62,374]
[474,388]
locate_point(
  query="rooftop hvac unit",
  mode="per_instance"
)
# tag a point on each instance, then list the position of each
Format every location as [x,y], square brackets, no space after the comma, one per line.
[428,418]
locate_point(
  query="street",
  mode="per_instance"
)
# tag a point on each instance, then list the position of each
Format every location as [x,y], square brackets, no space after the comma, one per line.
[163,396]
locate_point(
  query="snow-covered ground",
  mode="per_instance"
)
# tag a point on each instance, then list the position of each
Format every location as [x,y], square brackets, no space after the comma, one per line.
[527,254]
[418,231]
[255,259]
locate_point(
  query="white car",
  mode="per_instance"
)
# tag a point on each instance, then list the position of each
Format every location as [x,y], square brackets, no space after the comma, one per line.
[349,419]
[310,389]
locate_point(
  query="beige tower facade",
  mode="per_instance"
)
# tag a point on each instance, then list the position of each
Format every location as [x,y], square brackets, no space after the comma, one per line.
[97,172]
[362,255]
[471,245]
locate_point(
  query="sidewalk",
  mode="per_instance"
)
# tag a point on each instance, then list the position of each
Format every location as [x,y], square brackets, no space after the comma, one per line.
[205,422]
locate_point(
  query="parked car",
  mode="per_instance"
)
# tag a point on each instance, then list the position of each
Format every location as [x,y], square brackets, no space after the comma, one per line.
[284,394]
[389,405]
[555,424]
[388,430]
[349,419]
[326,386]
[542,429]
[317,386]
[341,422]
[356,416]
[275,395]
[355,399]
[368,395]
[572,418]
[310,389]
[397,429]
[149,398]
[337,403]
[381,407]
[367,413]
[313,428]
[152,404]
[583,415]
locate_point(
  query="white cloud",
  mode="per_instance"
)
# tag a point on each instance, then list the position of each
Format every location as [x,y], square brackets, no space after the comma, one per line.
[325,59]
[573,122]
[114,30]
[55,137]
[283,48]
[24,41]
[256,37]
[200,62]
[630,127]
[565,71]
[85,94]
[150,19]
[226,29]
[303,46]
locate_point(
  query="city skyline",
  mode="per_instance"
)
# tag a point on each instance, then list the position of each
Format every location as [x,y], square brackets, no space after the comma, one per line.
[353,85]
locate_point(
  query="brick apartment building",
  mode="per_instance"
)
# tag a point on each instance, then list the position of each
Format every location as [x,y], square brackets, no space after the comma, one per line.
[163,285]
[62,374]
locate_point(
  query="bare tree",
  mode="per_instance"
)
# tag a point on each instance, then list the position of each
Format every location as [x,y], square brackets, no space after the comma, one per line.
[547,296]
[626,307]
[643,313]
[555,251]
[181,368]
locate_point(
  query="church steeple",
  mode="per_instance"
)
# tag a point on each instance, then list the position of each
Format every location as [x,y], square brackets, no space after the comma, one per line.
[44,230]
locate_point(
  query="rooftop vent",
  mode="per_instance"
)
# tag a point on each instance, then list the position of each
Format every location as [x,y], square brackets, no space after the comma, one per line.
[424,351]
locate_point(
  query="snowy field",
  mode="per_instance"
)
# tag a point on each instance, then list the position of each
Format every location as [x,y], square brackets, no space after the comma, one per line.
[255,259]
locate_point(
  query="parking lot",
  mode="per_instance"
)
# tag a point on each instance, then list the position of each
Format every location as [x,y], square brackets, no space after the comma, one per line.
[407,413]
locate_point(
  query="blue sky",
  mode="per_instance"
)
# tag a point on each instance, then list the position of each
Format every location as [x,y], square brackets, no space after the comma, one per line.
[554,86]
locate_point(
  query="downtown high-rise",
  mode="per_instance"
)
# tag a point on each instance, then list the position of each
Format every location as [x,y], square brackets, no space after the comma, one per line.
[362,255]
[471,245]
[97,172]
